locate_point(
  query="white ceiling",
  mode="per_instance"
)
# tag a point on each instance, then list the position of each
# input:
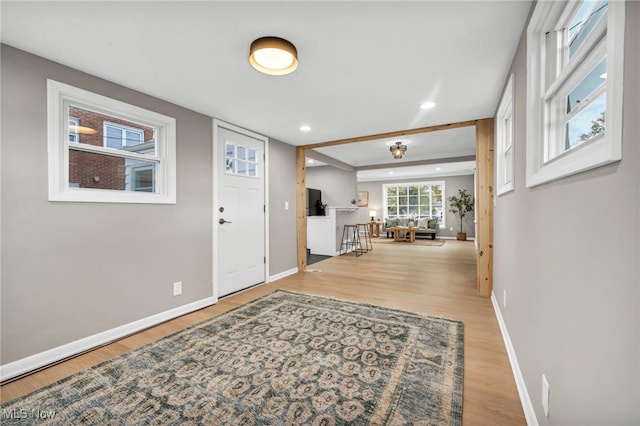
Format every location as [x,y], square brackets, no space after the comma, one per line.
[365,67]
[374,161]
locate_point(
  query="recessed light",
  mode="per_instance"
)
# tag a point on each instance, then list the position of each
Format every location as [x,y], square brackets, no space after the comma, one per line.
[438,169]
[391,172]
[427,105]
[305,128]
[309,161]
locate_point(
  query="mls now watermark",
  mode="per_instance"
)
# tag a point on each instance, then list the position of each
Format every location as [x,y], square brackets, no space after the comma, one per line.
[23,413]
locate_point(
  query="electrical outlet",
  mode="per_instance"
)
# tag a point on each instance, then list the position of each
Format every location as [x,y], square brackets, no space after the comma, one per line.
[545,395]
[504,298]
[177,288]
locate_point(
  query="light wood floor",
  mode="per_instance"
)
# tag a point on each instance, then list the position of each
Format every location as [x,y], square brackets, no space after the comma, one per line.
[434,280]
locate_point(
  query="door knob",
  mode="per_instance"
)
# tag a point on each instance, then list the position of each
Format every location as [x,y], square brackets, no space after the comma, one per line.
[221,221]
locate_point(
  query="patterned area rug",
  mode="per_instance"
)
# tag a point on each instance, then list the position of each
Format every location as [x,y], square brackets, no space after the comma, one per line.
[417,242]
[286,358]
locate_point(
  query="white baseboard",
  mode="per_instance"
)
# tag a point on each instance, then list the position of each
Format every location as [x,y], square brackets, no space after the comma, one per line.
[283,274]
[449,237]
[527,406]
[33,362]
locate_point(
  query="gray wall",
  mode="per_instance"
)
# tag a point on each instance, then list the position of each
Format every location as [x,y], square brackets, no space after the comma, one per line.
[451,185]
[338,186]
[282,222]
[70,270]
[567,255]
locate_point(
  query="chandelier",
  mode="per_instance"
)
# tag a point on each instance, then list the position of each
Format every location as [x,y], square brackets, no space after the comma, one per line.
[398,150]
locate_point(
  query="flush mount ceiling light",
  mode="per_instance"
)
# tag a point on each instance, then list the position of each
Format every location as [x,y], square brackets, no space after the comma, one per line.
[398,150]
[273,55]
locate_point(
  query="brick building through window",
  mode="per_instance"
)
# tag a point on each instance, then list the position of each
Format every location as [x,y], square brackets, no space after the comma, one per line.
[105,171]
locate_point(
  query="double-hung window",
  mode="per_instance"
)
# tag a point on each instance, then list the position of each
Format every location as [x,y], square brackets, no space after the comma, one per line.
[504,141]
[574,93]
[104,150]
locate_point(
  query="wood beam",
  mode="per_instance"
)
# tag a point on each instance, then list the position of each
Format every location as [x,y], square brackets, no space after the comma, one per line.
[418,163]
[329,160]
[484,205]
[394,134]
[301,206]
[484,193]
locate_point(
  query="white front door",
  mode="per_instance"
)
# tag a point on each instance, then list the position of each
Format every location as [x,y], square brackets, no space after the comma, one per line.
[239,236]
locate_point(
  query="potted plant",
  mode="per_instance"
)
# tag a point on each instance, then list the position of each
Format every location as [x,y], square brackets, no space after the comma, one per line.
[461,204]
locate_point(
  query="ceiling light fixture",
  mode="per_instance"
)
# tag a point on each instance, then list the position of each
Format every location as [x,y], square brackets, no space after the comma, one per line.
[273,55]
[398,150]
[305,128]
[82,130]
[428,105]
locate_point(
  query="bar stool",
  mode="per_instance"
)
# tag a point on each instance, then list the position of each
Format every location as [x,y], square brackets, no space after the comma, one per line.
[368,246]
[350,240]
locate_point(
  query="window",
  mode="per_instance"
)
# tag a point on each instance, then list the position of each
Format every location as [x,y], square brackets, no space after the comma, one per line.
[143,178]
[118,136]
[504,141]
[103,150]
[416,200]
[241,161]
[74,123]
[574,93]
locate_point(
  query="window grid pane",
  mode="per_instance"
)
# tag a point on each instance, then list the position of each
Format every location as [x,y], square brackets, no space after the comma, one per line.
[590,122]
[595,79]
[588,15]
[416,201]
[241,161]
[108,172]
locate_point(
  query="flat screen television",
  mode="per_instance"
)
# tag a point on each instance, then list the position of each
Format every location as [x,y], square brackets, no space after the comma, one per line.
[314,202]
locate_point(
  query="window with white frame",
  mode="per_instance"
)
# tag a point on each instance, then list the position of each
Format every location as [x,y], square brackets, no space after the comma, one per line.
[504,141]
[415,200]
[574,93]
[118,136]
[104,150]
[74,124]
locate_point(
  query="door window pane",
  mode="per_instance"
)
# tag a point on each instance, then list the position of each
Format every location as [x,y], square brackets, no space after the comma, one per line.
[241,161]
[253,169]
[242,167]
